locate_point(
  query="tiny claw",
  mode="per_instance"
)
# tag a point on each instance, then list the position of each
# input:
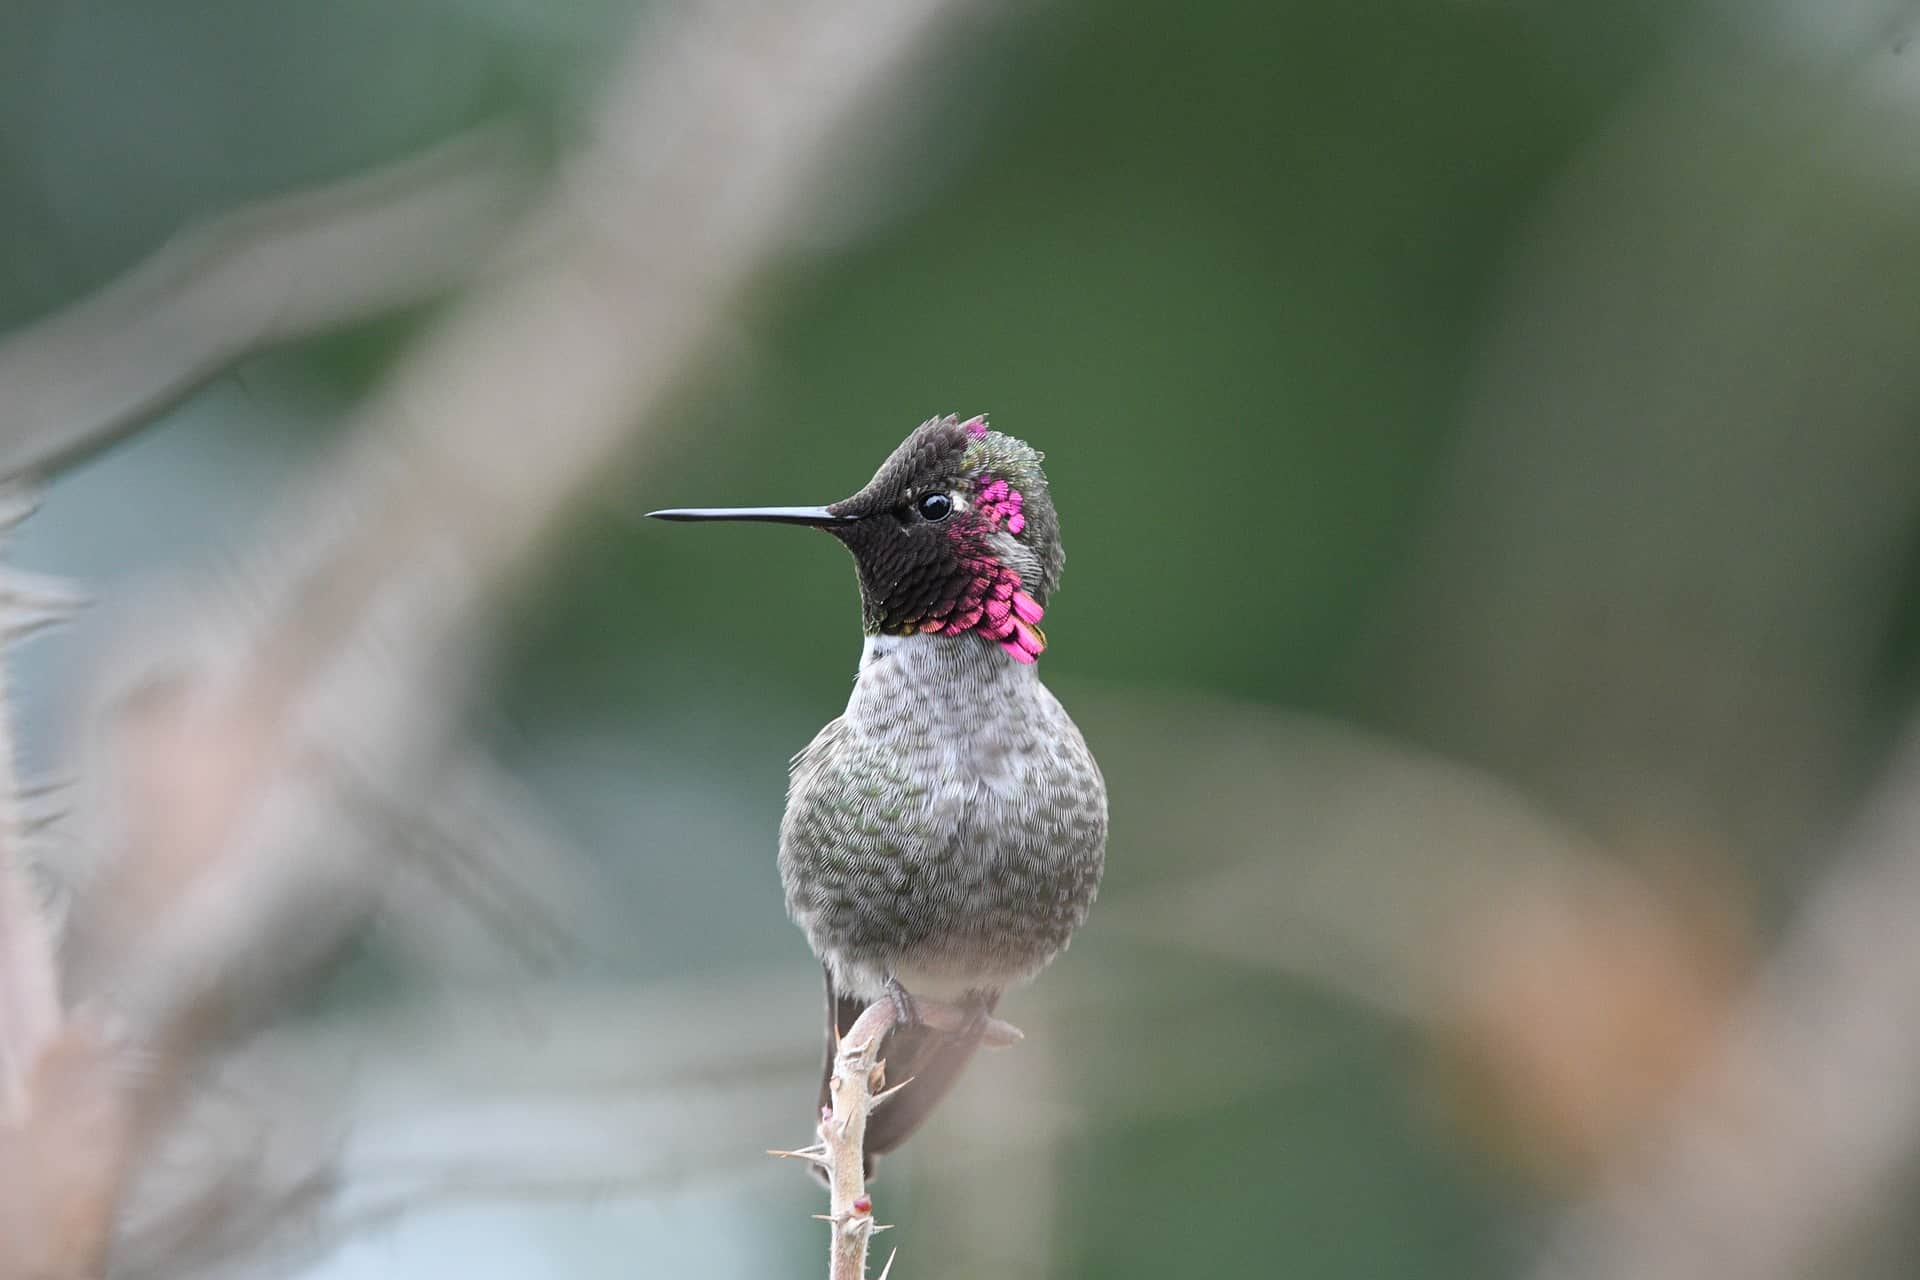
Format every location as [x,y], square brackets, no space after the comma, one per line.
[905,1012]
[975,1027]
[998,1035]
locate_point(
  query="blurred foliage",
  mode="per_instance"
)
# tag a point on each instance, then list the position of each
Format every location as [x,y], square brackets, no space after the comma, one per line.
[1223,263]
[1229,264]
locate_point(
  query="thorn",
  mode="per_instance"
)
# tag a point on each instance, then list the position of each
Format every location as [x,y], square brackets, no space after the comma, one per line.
[888,1269]
[14,627]
[43,804]
[47,786]
[30,602]
[884,1094]
[36,825]
[811,1155]
[17,502]
[37,818]
[26,587]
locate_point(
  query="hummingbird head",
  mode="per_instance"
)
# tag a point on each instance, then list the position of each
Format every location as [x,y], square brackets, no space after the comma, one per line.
[954,535]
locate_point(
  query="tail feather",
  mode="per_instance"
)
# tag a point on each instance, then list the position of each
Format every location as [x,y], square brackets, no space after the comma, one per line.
[929,1061]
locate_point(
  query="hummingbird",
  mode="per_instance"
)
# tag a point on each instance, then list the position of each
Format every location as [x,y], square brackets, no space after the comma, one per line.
[944,837]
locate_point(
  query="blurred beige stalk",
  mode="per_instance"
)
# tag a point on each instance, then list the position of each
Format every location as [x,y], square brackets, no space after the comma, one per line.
[65,1158]
[1578,1002]
[270,273]
[254,739]
[1807,1120]
[1563,990]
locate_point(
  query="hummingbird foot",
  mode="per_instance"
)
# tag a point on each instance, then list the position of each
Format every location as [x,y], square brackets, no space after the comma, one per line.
[978,1007]
[906,1010]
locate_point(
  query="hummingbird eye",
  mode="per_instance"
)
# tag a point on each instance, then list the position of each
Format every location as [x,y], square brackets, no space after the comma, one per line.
[935,506]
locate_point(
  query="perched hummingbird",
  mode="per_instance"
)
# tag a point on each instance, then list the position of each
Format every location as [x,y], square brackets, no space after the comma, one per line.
[945,836]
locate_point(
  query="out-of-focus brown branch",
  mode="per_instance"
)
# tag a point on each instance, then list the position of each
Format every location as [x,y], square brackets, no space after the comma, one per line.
[1808,1119]
[269,273]
[1563,989]
[65,1158]
[341,645]
[61,1127]
[256,740]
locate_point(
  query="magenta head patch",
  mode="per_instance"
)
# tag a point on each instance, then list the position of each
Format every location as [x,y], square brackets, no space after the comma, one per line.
[956,535]
[992,601]
[1000,505]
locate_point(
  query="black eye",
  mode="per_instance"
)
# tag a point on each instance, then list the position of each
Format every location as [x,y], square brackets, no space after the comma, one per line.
[935,506]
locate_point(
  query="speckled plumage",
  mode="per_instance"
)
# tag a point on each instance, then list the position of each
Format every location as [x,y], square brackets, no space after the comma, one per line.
[947,833]
[949,830]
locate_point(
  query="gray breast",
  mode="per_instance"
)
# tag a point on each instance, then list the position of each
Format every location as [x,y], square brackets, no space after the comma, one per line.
[949,829]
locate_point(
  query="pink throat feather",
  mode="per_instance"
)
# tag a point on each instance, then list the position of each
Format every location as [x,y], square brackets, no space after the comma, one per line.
[992,602]
[994,605]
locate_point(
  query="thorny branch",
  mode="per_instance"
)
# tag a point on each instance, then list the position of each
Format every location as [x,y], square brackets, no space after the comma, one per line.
[857,1086]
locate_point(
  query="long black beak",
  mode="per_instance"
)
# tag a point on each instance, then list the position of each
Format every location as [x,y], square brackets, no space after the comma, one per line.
[770,515]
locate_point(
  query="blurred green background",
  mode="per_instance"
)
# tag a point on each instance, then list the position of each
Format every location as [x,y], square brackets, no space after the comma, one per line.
[1511,388]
